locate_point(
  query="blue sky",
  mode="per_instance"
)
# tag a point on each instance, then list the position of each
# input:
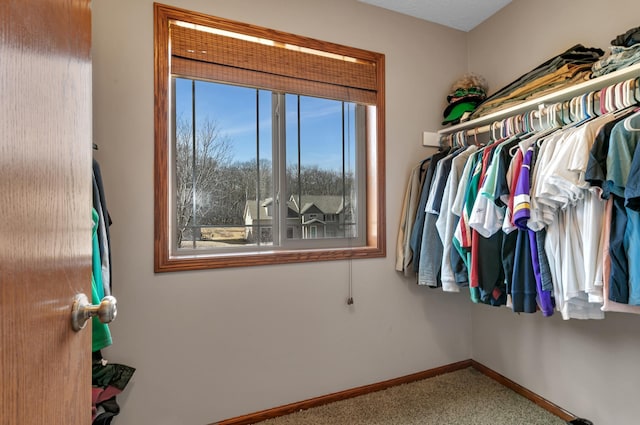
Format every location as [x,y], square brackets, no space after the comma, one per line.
[234,110]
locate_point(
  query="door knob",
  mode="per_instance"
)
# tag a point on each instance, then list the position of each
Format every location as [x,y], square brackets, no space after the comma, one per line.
[82,310]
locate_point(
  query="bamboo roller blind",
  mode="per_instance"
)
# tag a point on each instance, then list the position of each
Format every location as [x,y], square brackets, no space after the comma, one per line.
[201,54]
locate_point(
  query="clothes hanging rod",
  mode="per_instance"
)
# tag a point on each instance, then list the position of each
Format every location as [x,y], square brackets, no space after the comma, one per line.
[566,93]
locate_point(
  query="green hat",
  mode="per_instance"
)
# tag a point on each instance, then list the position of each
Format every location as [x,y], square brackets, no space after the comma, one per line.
[456,110]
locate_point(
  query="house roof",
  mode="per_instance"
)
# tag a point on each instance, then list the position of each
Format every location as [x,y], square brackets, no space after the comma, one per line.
[315,220]
[327,204]
[252,208]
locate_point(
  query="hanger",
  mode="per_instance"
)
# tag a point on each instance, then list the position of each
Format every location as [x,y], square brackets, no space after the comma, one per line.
[602,101]
[475,136]
[511,126]
[630,91]
[578,110]
[611,98]
[627,122]
[619,96]
[559,113]
[537,113]
[508,127]
[565,114]
[548,110]
[592,103]
[445,141]
[596,103]
[588,105]
[515,125]
[584,107]
[528,122]
[492,128]
[522,127]
[548,125]
[503,128]
[462,138]
[575,110]
[624,95]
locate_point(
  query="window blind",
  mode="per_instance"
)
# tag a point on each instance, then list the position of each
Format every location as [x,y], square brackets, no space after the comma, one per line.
[281,65]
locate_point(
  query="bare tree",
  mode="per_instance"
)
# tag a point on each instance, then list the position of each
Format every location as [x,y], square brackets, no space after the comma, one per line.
[313,180]
[248,180]
[200,160]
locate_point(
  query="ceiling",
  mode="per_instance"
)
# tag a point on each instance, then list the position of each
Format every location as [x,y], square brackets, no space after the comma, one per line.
[463,15]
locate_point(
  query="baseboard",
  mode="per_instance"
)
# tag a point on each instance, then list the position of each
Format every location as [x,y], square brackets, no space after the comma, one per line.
[366,389]
[540,401]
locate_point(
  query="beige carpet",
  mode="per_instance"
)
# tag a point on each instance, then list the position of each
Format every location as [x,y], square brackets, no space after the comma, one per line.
[464,397]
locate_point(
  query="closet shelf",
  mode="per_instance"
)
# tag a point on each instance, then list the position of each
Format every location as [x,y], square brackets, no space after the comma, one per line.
[561,95]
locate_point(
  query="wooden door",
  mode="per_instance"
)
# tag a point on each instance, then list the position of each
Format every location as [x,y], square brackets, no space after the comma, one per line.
[45,210]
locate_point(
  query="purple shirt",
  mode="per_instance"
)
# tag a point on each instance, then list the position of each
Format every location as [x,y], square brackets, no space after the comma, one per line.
[521,215]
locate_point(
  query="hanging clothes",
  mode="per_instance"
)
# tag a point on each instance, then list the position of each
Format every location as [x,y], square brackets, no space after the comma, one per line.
[100,334]
[622,146]
[404,254]
[431,246]
[543,221]
[451,275]
[104,221]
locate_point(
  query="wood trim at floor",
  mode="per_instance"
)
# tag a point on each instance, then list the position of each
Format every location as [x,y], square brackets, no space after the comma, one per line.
[366,389]
[540,401]
[342,395]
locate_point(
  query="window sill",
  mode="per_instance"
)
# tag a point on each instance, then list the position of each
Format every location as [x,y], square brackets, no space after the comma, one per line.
[226,260]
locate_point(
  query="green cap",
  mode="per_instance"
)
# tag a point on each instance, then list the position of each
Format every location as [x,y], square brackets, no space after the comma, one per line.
[456,110]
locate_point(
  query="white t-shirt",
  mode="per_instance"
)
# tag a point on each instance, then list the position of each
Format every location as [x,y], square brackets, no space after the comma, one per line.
[487,217]
[574,241]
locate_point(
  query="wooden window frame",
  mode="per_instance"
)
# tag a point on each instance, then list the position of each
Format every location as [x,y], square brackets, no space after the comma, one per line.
[164,261]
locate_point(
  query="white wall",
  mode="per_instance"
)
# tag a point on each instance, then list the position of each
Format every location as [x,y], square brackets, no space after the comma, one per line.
[525,34]
[589,368]
[210,345]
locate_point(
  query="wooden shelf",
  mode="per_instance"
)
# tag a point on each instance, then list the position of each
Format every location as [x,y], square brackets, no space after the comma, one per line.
[561,95]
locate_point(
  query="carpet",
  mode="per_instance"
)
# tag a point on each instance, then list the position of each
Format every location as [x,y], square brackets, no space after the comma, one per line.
[464,397]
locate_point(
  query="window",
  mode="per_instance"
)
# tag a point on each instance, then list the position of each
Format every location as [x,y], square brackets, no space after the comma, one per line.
[269,147]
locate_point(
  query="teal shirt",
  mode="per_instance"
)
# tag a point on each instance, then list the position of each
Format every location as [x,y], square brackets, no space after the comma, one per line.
[100,333]
[622,145]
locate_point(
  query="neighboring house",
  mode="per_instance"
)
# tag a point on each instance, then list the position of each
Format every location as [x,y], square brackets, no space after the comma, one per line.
[308,217]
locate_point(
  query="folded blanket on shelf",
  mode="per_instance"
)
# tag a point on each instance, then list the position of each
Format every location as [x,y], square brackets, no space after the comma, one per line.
[568,68]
